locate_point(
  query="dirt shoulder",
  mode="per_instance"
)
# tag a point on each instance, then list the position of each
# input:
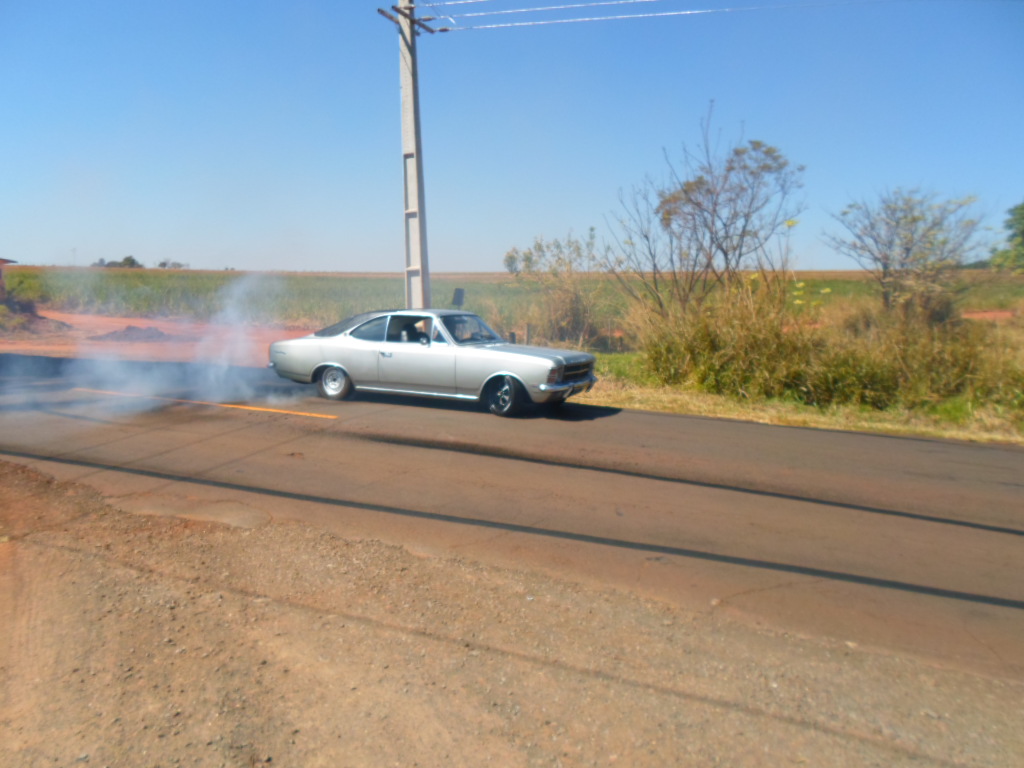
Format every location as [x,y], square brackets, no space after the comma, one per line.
[157,641]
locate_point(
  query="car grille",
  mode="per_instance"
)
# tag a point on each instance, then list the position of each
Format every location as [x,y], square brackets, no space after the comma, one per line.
[574,371]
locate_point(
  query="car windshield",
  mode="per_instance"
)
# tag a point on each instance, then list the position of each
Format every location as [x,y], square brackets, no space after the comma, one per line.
[469,329]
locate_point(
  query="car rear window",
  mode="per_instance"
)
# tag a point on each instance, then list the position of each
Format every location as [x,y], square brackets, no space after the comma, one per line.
[371,331]
[344,325]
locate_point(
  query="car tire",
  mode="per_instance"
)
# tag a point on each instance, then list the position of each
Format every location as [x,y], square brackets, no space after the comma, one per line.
[505,396]
[334,384]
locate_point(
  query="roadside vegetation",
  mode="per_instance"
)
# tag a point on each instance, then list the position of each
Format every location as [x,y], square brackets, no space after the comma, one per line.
[692,304]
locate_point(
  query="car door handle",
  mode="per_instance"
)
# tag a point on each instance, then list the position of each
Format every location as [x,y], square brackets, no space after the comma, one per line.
[385,354]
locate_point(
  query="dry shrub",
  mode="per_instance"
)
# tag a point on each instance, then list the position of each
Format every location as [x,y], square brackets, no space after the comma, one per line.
[744,342]
[752,342]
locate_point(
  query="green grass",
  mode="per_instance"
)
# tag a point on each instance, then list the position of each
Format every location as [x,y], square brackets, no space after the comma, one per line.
[987,290]
[957,418]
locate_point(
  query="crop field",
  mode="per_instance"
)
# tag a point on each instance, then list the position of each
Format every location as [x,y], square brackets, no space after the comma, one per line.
[311,299]
[315,299]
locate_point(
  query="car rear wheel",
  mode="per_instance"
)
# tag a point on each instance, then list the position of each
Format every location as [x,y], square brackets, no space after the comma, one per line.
[505,396]
[334,384]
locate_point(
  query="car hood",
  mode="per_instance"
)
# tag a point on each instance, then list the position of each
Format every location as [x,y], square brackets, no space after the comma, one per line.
[558,356]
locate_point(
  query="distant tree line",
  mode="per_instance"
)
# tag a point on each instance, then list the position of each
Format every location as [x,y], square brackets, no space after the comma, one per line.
[131,262]
[128,261]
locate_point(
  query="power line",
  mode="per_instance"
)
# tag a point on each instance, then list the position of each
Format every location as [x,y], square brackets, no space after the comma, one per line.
[601,3]
[619,17]
[546,8]
[456,2]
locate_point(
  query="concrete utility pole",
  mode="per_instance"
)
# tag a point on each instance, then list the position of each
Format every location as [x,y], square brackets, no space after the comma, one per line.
[417,269]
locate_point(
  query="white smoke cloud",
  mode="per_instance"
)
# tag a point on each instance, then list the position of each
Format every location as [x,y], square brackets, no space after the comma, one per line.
[220,371]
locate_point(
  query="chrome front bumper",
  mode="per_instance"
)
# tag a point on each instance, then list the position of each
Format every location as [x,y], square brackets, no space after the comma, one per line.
[570,387]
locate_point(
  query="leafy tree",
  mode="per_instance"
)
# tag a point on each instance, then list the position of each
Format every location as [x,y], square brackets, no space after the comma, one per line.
[127,261]
[1012,256]
[517,262]
[720,214]
[910,241]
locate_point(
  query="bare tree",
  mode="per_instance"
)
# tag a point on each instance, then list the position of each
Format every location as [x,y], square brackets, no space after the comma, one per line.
[564,270]
[908,240]
[721,213]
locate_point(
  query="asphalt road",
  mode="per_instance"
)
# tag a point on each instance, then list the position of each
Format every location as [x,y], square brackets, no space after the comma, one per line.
[908,545]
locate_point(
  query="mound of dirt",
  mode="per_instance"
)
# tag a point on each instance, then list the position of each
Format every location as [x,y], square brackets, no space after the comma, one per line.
[21,319]
[145,338]
[135,333]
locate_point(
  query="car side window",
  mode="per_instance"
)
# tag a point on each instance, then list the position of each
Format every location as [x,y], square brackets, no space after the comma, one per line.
[404,328]
[371,331]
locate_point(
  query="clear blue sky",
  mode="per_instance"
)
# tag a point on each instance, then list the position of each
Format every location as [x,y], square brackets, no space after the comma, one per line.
[265,134]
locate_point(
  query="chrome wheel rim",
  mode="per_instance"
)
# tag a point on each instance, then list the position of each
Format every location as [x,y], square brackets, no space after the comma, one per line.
[503,395]
[333,381]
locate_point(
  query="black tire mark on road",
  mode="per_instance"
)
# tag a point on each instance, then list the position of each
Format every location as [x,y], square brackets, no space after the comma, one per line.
[512,455]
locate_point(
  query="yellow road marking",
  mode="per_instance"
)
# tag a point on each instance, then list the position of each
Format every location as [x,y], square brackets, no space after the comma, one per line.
[202,402]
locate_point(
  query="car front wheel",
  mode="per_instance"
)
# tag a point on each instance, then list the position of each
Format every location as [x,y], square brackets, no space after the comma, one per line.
[334,384]
[505,396]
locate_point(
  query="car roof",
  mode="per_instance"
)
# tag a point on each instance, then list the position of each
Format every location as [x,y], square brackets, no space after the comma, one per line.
[355,320]
[404,312]
[426,311]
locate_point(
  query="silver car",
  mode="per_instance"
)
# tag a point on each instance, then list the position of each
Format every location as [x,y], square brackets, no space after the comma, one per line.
[435,353]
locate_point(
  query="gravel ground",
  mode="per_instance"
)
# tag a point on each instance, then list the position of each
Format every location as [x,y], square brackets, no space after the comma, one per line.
[157,641]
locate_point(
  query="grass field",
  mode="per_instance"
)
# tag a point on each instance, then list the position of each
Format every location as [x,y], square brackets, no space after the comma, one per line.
[265,297]
[322,298]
